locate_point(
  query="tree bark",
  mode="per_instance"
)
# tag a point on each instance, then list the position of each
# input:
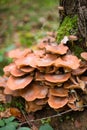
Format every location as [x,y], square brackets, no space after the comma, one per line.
[79,7]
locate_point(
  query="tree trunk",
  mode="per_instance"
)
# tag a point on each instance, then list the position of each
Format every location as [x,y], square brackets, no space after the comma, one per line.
[79,7]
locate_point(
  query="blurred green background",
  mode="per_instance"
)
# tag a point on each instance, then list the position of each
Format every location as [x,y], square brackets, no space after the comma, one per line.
[24,22]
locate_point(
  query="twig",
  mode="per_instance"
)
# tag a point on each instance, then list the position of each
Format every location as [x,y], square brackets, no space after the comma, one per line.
[44,118]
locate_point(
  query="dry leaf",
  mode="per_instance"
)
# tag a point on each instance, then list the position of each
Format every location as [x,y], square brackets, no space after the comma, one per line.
[5,113]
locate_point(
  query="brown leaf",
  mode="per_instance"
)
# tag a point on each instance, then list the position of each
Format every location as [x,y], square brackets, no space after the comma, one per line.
[15,112]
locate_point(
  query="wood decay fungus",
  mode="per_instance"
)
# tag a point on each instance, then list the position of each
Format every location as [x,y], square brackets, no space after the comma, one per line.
[51,75]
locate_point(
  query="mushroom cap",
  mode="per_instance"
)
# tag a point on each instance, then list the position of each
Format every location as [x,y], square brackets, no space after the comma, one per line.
[17,53]
[57,49]
[61,8]
[79,71]
[60,92]
[27,69]
[60,78]
[84,55]
[8,91]
[57,102]
[32,106]
[17,72]
[7,69]
[72,38]
[29,60]
[70,85]
[34,91]
[68,61]
[47,60]
[39,53]
[15,83]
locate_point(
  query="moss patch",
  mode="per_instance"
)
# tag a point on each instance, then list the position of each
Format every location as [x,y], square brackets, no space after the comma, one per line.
[68,26]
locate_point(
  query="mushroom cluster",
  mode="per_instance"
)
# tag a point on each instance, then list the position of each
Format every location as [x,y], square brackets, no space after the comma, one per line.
[49,75]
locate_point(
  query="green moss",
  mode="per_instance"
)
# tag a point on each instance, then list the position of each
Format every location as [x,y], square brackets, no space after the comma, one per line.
[77,50]
[68,26]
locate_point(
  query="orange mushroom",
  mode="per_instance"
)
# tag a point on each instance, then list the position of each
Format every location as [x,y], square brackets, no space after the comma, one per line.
[68,61]
[17,72]
[60,78]
[17,53]
[15,83]
[57,49]
[57,102]
[29,60]
[7,69]
[84,55]
[34,91]
[46,61]
[60,92]
[32,106]
[27,69]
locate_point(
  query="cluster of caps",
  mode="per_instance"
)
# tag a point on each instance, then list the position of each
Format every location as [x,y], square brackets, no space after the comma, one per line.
[49,75]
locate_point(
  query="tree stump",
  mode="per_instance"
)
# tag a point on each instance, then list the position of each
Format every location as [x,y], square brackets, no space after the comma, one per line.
[79,8]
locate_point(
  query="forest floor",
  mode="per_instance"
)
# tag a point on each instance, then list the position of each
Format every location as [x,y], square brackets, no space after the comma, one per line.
[23,24]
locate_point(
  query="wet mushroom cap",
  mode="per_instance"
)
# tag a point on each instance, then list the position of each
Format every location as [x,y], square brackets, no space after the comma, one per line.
[29,60]
[15,83]
[57,102]
[17,72]
[57,49]
[47,60]
[17,53]
[84,55]
[27,69]
[60,78]
[34,91]
[7,69]
[68,61]
[60,92]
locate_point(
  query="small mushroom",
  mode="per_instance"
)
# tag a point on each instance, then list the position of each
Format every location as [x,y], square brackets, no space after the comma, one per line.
[57,102]
[15,83]
[84,55]
[17,72]
[60,78]
[27,69]
[60,92]
[7,69]
[72,38]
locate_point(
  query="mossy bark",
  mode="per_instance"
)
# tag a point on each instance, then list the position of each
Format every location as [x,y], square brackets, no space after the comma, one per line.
[78,8]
